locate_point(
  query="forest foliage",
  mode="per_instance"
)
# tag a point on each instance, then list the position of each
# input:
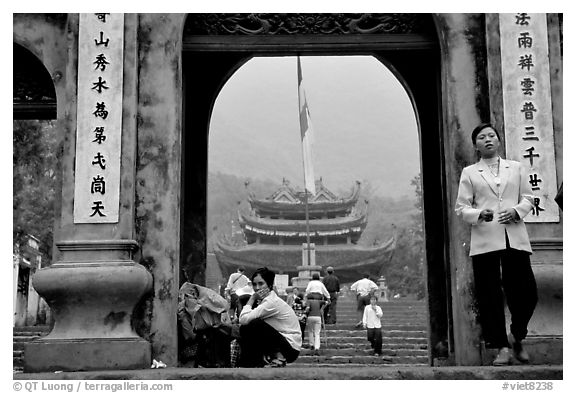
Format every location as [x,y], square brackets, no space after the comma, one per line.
[34,181]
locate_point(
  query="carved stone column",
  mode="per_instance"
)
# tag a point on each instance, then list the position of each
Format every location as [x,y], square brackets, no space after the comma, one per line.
[94,284]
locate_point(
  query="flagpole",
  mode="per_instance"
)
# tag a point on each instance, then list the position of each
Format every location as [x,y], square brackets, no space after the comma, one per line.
[301,102]
[307,226]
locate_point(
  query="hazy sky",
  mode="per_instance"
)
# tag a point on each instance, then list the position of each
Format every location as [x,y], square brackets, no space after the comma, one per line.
[364,123]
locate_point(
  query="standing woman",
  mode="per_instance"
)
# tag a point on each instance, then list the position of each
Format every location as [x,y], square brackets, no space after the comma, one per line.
[493,197]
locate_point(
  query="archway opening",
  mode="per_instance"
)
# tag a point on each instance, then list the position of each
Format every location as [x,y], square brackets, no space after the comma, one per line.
[365,130]
[210,60]
[35,182]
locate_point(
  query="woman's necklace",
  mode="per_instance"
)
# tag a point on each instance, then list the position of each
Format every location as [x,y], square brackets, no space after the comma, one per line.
[495,171]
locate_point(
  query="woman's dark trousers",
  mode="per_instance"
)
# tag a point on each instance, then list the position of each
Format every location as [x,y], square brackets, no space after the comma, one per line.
[258,339]
[505,273]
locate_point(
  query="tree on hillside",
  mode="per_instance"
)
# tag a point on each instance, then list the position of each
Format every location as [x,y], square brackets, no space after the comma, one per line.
[383,213]
[35,147]
[405,274]
[227,194]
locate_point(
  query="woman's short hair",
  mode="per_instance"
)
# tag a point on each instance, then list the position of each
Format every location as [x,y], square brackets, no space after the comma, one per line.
[266,274]
[315,276]
[479,128]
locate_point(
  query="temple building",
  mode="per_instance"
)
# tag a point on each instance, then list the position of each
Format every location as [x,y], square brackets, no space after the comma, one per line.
[276,234]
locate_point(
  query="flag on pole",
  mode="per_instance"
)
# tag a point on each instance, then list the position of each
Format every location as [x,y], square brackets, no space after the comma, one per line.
[306,134]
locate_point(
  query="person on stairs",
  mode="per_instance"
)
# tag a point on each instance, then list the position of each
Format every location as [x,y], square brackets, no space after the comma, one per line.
[371,322]
[364,289]
[332,284]
[314,308]
[236,281]
[296,301]
[316,290]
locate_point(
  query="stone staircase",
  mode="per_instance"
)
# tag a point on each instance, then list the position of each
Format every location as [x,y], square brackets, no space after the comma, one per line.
[20,336]
[404,337]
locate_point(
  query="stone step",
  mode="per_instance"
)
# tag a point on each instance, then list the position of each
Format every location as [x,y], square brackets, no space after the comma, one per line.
[385,310]
[22,335]
[350,322]
[387,340]
[385,333]
[38,328]
[350,313]
[369,359]
[346,320]
[384,306]
[364,351]
[348,303]
[385,326]
[388,313]
[26,338]
[351,296]
[17,358]
[400,318]
[29,334]
[356,365]
[18,346]
[366,346]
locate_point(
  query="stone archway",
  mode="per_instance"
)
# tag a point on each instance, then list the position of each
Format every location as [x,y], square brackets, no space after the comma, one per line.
[215,45]
[447,68]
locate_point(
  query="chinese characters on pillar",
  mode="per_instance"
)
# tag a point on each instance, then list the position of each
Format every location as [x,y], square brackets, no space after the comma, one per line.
[528,107]
[99,118]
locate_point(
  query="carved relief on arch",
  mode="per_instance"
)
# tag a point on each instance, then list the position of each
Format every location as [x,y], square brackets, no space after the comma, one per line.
[292,24]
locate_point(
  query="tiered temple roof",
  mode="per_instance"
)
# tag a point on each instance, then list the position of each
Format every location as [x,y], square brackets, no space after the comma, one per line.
[339,226]
[287,201]
[275,229]
[349,261]
[283,216]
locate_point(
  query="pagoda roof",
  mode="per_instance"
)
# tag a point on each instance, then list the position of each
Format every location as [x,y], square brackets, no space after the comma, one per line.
[348,261]
[319,227]
[288,199]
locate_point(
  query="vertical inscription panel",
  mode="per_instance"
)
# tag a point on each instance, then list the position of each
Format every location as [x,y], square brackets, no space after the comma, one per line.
[528,107]
[99,120]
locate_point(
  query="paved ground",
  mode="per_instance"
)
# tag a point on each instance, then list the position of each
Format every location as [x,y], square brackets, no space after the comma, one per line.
[554,372]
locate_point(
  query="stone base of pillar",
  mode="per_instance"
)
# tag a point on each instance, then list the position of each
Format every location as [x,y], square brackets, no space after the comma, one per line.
[47,355]
[92,293]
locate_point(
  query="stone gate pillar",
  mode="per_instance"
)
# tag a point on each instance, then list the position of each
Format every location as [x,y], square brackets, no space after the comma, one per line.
[94,283]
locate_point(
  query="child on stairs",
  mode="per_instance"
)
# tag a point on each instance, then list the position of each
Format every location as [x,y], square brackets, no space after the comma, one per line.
[371,322]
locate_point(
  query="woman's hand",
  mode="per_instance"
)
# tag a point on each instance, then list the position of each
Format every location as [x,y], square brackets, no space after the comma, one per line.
[262,293]
[506,216]
[487,215]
